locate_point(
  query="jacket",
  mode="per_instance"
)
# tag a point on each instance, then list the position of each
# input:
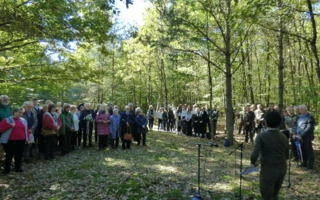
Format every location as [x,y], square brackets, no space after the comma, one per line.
[102,128]
[305,127]
[141,122]
[62,130]
[115,126]
[6,134]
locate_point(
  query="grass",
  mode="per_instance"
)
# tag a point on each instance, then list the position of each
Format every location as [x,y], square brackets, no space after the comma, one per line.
[165,169]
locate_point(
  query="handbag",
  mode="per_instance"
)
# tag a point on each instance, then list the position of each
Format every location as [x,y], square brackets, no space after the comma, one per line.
[128,136]
[48,132]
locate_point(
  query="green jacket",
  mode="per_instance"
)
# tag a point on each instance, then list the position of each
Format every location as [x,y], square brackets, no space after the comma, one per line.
[5,111]
[62,130]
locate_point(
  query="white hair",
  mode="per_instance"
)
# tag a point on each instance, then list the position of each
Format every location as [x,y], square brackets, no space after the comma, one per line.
[86,104]
[48,102]
[26,103]
[103,107]
[303,107]
[130,104]
[3,96]
[126,107]
[115,110]
[59,103]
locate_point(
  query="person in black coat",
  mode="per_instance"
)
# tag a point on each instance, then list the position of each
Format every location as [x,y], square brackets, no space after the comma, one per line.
[39,128]
[203,125]
[141,123]
[127,121]
[87,117]
[197,119]
[95,124]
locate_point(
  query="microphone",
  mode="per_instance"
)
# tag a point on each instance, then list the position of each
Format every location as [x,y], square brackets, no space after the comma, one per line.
[212,144]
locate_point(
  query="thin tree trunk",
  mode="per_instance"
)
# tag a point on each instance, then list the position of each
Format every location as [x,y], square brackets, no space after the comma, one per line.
[228,75]
[314,37]
[281,60]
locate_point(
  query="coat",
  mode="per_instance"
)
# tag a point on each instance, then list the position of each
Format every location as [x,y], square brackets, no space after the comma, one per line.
[62,130]
[124,119]
[49,123]
[102,128]
[115,126]
[4,137]
[141,122]
[305,127]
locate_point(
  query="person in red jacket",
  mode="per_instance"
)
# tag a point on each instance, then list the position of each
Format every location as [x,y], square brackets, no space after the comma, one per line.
[15,134]
[50,122]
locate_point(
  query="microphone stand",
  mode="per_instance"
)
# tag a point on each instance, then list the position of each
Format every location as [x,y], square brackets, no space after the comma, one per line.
[240,176]
[198,195]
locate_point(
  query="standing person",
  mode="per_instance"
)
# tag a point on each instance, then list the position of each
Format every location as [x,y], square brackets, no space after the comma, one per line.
[159,117]
[58,108]
[150,113]
[86,121]
[103,128]
[196,119]
[96,112]
[273,148]
[81,105]
[74,133]
[179,119]
[115,128]
[271,108]
[259,115]
[141,123]
[65,132]
[251,116]
[39,127]
[241,120]
[5,112]
[50,124]
[13,138]
[127,120]
[249,124]
[215,116]
[189,121]
[292,127]
[5,108]
[170,119]
[203,124]
[110,108]
[305,133]
[81,131]
[165,119]
[31,119]
[37,131]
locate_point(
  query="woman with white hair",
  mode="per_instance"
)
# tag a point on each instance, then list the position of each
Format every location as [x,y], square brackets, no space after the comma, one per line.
[103,126]
[127,121]
[115,128]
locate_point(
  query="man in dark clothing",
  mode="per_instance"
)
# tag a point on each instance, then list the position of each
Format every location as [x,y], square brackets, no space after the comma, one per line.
[31,117]
[86,122]
[39,128]
[305,133]
[274,150]
[215,116]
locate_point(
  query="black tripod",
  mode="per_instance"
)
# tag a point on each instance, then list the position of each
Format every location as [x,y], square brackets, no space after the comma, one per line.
[240,176]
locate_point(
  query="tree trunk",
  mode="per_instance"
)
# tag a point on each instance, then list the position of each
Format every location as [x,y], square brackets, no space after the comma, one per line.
[281,60]
[314,37]
[228,75]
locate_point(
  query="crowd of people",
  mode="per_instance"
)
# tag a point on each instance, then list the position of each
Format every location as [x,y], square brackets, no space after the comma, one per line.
[53,127]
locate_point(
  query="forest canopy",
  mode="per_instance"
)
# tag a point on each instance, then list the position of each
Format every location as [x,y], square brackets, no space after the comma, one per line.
[226,53]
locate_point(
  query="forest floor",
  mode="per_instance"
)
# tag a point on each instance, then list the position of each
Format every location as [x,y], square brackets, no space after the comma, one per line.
[165,169]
